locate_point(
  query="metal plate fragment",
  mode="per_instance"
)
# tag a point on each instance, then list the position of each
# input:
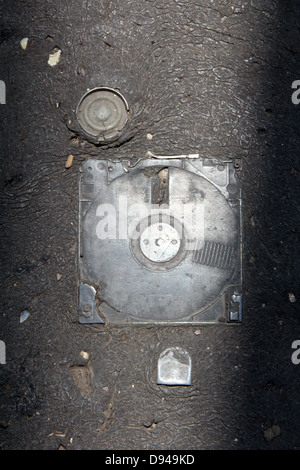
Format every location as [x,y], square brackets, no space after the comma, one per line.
[174,367]
[87,305]
[161,240]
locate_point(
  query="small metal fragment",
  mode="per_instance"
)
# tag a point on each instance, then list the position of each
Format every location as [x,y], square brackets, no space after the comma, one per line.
[234,316]
[235,312]
[172,157]
[174,367]
[87,304]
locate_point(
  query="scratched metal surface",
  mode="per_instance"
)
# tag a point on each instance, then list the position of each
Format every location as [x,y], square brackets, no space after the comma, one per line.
[213,77]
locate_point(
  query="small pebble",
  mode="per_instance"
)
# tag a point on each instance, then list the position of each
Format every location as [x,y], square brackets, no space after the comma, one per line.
[197,332]
[84,355]
[54,57]
[272,432]
[149,136]
[58,277]
[292,297]
[69,161]
[24,43]
[24,315]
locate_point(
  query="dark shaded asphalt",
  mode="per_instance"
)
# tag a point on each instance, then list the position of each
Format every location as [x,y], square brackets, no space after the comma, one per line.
[213,77]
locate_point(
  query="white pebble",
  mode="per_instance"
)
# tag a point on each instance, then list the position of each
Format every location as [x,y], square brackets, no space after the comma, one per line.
[84,355]
[24,315]
[24,43]
[54,57]
[292,297]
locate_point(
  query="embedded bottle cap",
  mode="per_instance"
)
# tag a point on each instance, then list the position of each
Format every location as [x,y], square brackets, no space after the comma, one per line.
[102,113]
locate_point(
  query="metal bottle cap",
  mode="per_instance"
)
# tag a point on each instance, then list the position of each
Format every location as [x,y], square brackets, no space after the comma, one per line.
[102,113]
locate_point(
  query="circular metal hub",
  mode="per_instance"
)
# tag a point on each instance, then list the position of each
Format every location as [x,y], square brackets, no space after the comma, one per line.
[160,242]
[102,113]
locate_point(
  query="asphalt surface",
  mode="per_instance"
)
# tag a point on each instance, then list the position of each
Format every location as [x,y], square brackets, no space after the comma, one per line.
[208,76]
